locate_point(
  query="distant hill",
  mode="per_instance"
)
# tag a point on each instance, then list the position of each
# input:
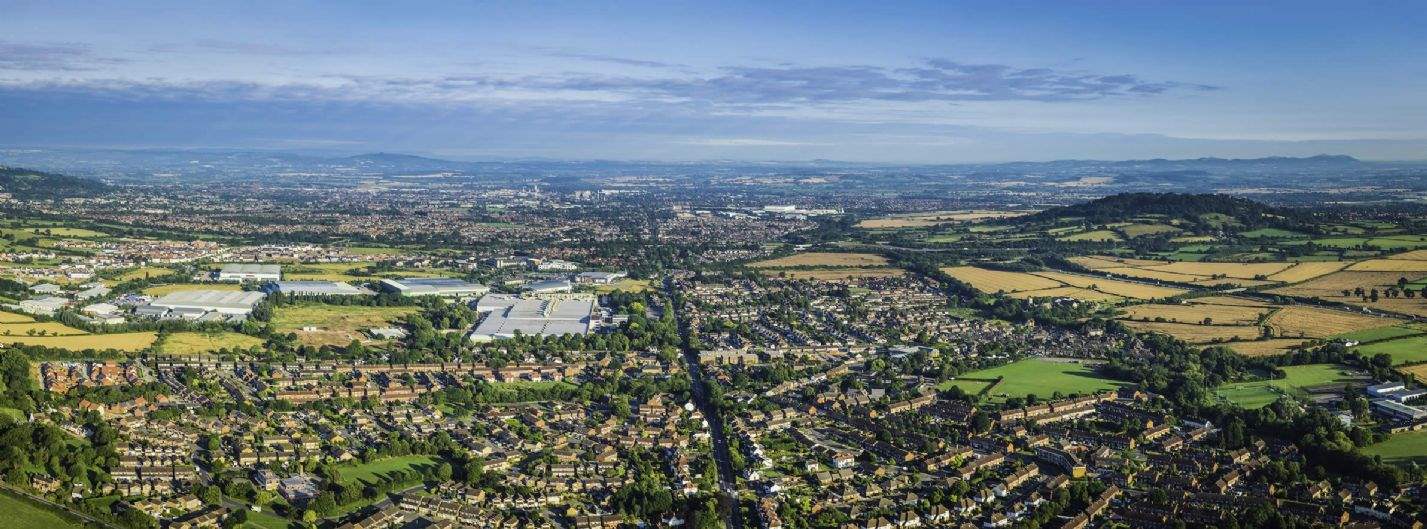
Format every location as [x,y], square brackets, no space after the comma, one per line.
[26,184]
[1123,207]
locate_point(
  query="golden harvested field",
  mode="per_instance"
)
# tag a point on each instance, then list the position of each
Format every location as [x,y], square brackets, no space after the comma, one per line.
[1307,270]
[1096,262]
[1418,371]
[1272,347]
[1149,273]
[837,275]
[1314,322]
[1198,334]
[1084,294]
[128,342]
[185,343]
[992,281]
[47,327]
[1414,255]
[169,289]
[1096,236]
[1218,314]
[10,317]
[1233,282]
[1389,265]
[831,259]
[1331,286]
[1111,286]
[1228,300]
[1236,270]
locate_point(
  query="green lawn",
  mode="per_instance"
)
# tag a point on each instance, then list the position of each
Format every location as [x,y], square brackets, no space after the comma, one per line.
[1036,376]
[1258,394]
[368,472]
[266,520]
[1380,333]
[1402,350]
[12,413]
[1401,448]
[21,514]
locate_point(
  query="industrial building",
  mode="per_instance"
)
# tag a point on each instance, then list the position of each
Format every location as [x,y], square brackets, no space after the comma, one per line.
[434,286]
[548,286]
[194,304]
[1399,411]
[249,272]
[315,288]
[599,278]
[533,315]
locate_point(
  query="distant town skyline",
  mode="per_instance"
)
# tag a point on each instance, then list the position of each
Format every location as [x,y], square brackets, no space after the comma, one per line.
[911,82]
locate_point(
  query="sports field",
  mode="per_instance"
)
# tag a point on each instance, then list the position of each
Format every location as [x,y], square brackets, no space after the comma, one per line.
[127,342]
[1402,350]
[1258,394]
[1035,376]
[21,514]
[1402,448]
[829,259]
[188,343]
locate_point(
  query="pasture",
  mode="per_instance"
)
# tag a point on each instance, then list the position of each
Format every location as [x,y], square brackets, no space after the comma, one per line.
[1036,376]
[1272,347]
[1402,350]
[1260,393]
[1141,230]
[127,342]
[827,259]
[21,514]
[336,324]
[1401,448]
[1092,236]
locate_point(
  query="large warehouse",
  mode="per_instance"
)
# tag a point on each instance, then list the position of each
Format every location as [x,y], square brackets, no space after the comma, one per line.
[250,272]
[200,302]
[315,288]
[434,286]
[533,316]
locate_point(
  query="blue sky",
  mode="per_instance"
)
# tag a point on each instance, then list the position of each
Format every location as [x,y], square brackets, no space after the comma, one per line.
[906,82]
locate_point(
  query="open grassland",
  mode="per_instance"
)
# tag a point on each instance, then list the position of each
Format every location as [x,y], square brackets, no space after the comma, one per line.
[36,327]
[1258,394]
[627,285]
[992,281]
[828,259]
[369,472]
[1036,376]
[21,514]
[1307,270]
[1092,236]
[188,343]
[1142,230]
[1096,262]
[1272,347]
[1228,300]
[1111,286]
[1313,322]
[1401,448]
[1389,265]
[1402,350]
[177,287]
[325,272]
[1216,314]
[10,317]
[1382,333]
[1198,334]
[838,274]
[128,342]
[1083,294]
[144,273]
[336,324]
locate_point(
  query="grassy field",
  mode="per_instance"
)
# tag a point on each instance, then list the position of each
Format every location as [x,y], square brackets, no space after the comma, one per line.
[1084,294]
[627,285]
[1402,350]
[128,342]
[21,514]
[1196,313]
[187,343]
[1092,236]
[1141,230]
[1307,270]
[1258,394]
[830,259]
[1312,322]
[325,272]
[368,472]
[10,317]
[52,328]
[1402,448]
[992,281]
[1036,376]
[1275,233]
[1266,347]
[144,273]
[176,287]
[336,324]
[1381,333]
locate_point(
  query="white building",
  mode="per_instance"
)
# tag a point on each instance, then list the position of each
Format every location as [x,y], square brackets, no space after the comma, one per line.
[434,286]
[200,302]
[550,315]
[599,278]
[45,306]
[556,265]
[548,286]
[250,272]
[315,288]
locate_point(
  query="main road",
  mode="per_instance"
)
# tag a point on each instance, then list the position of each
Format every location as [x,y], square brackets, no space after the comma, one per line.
[727,478]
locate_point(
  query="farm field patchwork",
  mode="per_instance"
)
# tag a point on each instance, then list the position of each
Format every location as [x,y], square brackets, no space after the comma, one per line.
[1084,294]
[127,342]
[1196,313]
[1111,286]
[1198,334]
[1389,265]
[1307,270]
[1036,376]
[1313,322]
[992,281]
[10,317]
[1093,236]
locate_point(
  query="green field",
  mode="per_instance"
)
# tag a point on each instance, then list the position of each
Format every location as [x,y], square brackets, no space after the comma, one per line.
[1402,350]
[1402,448]
[21,514]
[1258,394]
[1380,333]
[188,343]
[1035,376]
[368,472]
[1270,233]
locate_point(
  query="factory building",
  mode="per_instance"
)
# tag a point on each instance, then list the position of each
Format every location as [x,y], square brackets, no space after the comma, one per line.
[534,315]
[548,286]
[433,286]
[197,304]
[249,272]
[315,288]
[599,278]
